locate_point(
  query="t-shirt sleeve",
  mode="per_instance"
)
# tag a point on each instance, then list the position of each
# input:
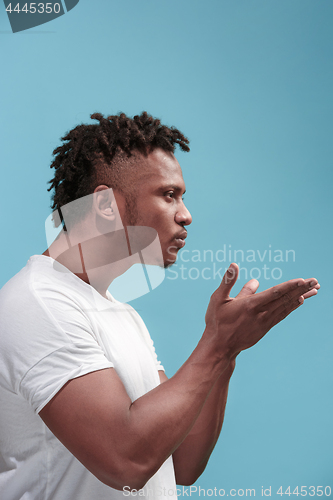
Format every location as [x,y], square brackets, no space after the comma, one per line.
[44,345]
[42,381]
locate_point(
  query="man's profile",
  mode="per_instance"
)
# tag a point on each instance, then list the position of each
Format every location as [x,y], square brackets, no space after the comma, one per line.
[86,408]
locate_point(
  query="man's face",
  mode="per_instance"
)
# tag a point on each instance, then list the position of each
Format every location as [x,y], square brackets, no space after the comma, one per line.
[159,202]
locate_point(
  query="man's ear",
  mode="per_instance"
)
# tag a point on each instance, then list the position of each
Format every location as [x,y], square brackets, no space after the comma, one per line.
[104,203]
[106,206]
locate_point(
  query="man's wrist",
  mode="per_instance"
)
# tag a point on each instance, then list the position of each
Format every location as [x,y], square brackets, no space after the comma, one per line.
[222,359]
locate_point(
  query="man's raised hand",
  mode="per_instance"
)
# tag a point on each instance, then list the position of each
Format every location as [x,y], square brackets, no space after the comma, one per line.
[240,322]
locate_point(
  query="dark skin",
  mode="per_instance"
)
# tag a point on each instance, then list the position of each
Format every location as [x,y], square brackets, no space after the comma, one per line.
[183,416]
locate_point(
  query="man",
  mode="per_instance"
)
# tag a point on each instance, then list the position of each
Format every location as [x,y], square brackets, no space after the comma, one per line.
[86,409]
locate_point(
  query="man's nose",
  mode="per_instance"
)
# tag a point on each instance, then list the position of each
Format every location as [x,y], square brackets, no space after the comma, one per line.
[183,217]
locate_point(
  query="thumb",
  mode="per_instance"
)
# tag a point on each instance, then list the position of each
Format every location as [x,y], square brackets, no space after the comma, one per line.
[228,280]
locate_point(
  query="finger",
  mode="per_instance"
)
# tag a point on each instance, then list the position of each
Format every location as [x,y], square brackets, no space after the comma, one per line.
[228,280]
[284,293]
[312,292]
[283,311]
[249,288]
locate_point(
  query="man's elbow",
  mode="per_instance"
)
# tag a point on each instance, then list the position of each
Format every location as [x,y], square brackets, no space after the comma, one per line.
[187,477]
[186,481]
[127,477]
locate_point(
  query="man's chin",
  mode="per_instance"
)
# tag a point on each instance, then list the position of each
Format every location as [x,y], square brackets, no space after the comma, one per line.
[170,261]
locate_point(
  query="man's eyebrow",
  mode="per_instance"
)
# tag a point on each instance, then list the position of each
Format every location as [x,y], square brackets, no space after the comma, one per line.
[173,186]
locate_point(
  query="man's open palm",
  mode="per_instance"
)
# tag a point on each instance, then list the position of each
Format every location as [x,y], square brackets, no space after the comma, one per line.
[242,321]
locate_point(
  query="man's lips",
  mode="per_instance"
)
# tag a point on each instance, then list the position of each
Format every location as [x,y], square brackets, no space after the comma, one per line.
[180,239]
[180,242]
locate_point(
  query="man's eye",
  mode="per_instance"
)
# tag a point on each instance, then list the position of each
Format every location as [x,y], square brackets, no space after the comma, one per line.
[171,194]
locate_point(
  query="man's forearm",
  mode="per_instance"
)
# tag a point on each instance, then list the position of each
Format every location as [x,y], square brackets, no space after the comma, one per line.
[192,455]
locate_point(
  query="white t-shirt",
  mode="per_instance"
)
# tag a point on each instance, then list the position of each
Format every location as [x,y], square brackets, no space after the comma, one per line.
[53,328]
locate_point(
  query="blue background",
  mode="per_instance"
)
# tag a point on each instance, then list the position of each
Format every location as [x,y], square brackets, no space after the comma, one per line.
[250,83]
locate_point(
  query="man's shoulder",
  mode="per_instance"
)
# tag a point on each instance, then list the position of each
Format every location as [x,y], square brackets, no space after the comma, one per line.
[38,306]
[28,293]
[15,287]
[22,284]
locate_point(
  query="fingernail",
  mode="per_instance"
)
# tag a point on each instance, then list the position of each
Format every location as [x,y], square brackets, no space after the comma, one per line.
[301,299]
[313,283]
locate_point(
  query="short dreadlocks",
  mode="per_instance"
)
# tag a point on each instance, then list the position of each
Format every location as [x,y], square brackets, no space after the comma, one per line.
[97,154]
